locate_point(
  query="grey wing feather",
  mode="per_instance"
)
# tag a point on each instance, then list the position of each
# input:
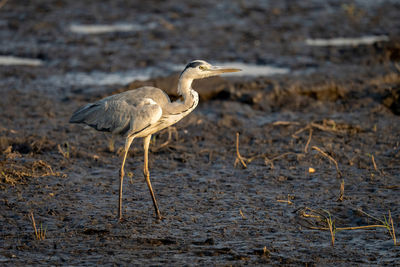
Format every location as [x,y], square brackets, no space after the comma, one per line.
[114,114]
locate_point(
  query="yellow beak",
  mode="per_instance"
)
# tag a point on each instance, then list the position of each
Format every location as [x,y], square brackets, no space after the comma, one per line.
[215,70]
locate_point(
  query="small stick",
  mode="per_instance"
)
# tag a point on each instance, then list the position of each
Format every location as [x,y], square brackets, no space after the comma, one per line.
[239,158]
[300,131]
[34,225]
[374,163]
[331,229]
[330,158]
[308,141]
[285,123]
[304,214]
[241,214]
[392,233]
[341,195]
[324,128]
[285,201]
[349,228]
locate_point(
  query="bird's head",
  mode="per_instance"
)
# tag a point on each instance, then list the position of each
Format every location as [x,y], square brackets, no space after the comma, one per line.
[199,69]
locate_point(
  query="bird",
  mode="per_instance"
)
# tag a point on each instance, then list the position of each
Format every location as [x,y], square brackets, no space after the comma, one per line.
[142,112]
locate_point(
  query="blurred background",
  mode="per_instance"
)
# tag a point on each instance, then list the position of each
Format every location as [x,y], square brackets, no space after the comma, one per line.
[112,36]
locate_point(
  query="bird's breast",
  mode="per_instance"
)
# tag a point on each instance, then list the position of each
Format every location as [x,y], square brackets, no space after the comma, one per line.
[170,118]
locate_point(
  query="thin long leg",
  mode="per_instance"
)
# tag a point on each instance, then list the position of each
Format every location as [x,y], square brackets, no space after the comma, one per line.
[128,143]
[146,143]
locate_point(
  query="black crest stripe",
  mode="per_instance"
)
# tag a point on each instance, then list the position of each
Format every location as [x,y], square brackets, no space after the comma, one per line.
[192,64]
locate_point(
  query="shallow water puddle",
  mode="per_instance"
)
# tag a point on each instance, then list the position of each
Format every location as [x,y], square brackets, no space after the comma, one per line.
[365,40]
[105,78]
[11,60]
[104,28]
[126,77]
[99,78]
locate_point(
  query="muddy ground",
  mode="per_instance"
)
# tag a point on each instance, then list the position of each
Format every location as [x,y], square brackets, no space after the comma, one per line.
[343,101]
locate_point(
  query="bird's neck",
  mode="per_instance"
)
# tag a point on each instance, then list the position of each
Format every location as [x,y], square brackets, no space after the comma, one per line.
[185,88]
[179,109]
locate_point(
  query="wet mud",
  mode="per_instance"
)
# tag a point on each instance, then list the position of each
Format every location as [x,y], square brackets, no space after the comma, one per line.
[320,142]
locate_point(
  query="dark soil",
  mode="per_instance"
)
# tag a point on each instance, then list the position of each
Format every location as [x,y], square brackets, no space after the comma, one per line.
[343,101]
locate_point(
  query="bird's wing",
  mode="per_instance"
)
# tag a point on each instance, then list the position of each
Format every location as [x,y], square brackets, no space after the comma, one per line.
[119,116]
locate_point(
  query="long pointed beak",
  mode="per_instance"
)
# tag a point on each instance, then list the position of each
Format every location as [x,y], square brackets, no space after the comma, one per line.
[215,70]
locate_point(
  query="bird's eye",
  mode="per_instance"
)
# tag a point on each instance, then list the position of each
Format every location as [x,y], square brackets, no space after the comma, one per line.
[202,67]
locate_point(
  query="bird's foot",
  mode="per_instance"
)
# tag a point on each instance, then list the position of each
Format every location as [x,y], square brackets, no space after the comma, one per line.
[121,220]
[159,217]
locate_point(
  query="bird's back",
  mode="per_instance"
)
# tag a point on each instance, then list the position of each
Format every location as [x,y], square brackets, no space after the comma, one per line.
[124,113]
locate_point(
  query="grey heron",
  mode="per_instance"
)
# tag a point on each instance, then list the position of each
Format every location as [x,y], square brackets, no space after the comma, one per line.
[144,111]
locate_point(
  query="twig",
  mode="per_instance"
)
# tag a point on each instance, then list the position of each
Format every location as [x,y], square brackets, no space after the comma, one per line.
[317,126]
[374,163]
[324,128]
[288,201]
[392,232]
[285,201]
[239,158]
[349,228]
[304,214]
[34,225]
[241,214]
[308,141]
[375,166]
[341,194]
[285,123]
[330,158]
[300,131]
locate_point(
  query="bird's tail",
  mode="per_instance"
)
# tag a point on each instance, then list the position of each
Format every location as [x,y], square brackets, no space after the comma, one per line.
[82,114]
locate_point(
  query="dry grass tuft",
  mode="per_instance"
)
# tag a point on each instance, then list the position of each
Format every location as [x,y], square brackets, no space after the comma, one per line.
[40,234]
[12,172]
[239,158]
[322,220]
[65,153]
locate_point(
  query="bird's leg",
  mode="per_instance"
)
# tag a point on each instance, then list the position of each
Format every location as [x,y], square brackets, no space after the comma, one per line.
[146,143]
[128,143]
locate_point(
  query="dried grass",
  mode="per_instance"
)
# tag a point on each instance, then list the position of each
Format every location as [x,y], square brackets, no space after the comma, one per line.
[322,220]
